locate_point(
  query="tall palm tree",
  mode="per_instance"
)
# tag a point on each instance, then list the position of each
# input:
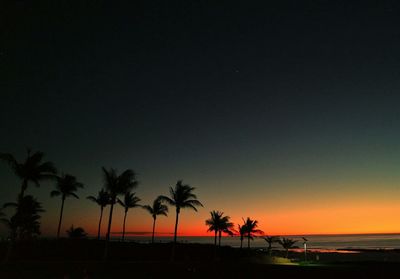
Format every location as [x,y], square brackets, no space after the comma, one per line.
[66,186]
[130,201]
[214,223]
[157,209]
[117,185]
[181,197]
[102,199]
[287,244]
[251,229]
[32,170]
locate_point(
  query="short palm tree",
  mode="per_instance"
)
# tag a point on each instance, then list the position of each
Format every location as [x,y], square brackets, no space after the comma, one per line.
[214,223]
[11,225]
[130,201]
[32,170]
[157,209]
[117,185]
[102,200]
[271,240]
[66,186]
[181,197]
[287,244]
[25,223]
[76,233]
[251,230]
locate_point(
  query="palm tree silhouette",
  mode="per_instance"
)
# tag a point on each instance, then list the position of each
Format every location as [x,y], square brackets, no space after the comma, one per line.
[242,232]
[157,209]
[31,170]
[219,224]
[117,185]
[66,186]
[251,230]
[287,244]
[76,233]
[214,223]
[130,201]
[181,197]
[12,226]
[271,240]
[226,227]
[102,199]
[25,223]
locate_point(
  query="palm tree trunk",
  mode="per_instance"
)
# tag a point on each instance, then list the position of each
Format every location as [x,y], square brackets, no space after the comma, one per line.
[110,221]
[99,229]
[241,243]
[270,249]
[287,253]
[123,226]
[219,241]
[175,234]
[215,245]
[108,230]
[154,228]
[248,241]
[61,215]
[23,188]
[19,201]
[176,224]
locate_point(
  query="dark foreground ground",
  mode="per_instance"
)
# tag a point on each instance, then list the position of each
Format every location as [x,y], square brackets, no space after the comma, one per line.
[192,270]
[83,259]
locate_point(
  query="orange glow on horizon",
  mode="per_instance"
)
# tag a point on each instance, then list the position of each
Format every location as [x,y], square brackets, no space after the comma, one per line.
[349,218]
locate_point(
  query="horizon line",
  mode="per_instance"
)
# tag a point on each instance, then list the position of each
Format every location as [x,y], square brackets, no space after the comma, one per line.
[297,234]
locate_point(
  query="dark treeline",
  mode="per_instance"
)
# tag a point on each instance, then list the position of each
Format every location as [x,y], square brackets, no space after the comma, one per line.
[118,188]
[24,224]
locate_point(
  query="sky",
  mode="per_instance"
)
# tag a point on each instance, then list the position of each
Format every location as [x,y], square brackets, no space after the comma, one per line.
[284,112]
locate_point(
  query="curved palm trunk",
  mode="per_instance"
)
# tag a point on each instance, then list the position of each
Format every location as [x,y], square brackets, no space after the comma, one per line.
[108,230]
[101,217]
[154,228]
[176,224]
[219,241]
[175,233]
[248,241]
[123,226]
[215,238]
[110,221]
[61,215]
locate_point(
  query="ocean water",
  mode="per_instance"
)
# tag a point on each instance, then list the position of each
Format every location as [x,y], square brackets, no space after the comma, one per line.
[359,241]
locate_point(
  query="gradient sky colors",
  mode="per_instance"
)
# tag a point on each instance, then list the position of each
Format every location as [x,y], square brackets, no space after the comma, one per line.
[287,113]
